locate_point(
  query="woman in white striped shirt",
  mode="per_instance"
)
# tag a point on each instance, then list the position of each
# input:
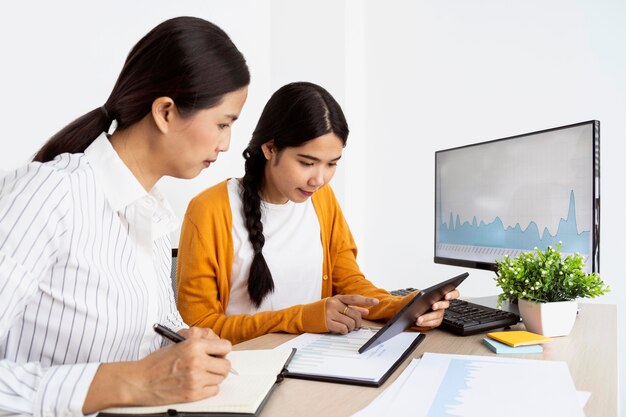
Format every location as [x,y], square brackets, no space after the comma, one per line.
[84,243]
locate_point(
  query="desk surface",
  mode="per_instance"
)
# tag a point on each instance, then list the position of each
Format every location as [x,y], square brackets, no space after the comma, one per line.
[590,351]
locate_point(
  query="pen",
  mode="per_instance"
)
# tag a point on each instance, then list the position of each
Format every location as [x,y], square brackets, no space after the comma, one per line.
[169,334]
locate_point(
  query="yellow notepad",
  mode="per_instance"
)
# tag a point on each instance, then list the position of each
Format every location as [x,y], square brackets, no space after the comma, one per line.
[518,338]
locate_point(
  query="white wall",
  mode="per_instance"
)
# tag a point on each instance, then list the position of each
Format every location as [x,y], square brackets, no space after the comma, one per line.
[445,73]
[60,59]
[413,77]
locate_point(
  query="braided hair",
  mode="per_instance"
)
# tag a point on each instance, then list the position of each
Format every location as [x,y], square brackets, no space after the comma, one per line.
[296,113]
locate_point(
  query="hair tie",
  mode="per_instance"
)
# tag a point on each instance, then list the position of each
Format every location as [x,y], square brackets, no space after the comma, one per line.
[106,113]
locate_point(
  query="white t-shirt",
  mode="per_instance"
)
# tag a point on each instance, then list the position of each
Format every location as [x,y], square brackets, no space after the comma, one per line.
[293,252]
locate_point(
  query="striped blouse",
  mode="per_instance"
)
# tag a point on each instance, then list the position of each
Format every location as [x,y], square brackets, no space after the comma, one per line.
[85,259]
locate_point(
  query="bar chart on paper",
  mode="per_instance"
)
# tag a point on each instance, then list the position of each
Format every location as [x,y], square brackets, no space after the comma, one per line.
[333,355]
[467,381]
[476,386]
[320,350]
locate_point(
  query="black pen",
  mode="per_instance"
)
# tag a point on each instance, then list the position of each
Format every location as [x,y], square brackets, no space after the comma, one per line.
[169,334]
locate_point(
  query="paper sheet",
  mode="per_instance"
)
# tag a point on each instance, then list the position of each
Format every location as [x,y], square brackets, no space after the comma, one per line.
[338,356]
[480,386]
[241,393]
[380,404]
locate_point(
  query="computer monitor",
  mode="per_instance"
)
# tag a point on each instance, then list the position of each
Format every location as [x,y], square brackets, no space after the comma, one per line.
[508,196]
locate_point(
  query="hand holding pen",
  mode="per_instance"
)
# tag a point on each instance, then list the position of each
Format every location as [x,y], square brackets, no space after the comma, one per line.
[181,372]
[176,338]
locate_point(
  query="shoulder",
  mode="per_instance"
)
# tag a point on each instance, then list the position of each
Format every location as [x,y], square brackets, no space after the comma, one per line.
[217,191]
[210,202]
[324,200]
[324,195]
[326,206]
[37,180]
[39,196]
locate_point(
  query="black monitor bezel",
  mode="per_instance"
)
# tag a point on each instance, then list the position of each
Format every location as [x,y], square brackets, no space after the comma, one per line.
[595,168]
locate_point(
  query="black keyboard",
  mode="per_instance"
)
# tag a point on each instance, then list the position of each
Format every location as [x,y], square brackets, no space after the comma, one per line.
[403,291]
[464,318]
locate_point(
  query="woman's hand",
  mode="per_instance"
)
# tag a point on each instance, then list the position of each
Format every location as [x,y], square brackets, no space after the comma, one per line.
[187,371]
[343,313]
[435,317]
[198,332]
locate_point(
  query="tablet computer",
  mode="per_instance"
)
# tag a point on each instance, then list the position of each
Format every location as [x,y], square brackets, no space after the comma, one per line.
[419,305]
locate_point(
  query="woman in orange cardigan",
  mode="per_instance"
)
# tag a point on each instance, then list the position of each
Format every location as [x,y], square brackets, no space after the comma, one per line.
[256,253]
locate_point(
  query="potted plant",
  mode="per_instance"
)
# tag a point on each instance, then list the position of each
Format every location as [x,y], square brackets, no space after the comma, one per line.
[546,286]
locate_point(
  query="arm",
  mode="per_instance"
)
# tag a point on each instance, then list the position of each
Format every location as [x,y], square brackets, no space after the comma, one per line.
[33,204]
[204,267]
[340,259]
[34,208]
[348,279]
[186,371]
[29,388]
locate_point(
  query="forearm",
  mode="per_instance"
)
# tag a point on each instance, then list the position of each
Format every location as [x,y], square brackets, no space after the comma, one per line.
[180,372]
[355,283]
[30,389]
[388,307]
[111,386]
[239,328]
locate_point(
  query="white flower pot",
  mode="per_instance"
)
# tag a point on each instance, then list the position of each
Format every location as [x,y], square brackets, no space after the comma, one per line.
[548,319]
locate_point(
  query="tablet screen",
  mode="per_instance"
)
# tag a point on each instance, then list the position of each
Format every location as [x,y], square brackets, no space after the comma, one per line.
[419,305]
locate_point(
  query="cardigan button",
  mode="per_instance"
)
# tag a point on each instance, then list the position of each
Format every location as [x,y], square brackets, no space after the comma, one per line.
[324,277]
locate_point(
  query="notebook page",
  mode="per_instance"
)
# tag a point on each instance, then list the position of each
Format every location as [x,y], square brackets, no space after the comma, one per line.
[241,393]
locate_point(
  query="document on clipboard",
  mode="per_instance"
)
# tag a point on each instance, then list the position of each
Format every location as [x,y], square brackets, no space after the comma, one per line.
[365,357]
[336,358]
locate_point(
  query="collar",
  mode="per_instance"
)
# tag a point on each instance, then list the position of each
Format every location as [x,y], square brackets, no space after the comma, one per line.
[112,173]
[120,186]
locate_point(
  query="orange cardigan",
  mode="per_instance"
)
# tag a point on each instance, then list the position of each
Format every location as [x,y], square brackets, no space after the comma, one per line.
[205,259]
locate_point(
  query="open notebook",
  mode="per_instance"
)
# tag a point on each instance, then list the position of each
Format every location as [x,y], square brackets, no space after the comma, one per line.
[240,395]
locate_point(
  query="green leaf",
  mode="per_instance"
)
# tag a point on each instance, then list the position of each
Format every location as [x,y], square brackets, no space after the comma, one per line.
[546,276]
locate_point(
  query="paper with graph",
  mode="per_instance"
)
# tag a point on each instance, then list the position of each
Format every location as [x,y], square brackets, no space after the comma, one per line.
[332,356]
[481,386]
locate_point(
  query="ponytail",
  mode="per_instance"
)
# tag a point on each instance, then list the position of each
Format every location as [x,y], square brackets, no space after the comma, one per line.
[188,59]
[77,136]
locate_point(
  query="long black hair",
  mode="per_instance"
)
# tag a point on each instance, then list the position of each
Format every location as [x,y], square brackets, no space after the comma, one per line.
[296,113]
[188,59]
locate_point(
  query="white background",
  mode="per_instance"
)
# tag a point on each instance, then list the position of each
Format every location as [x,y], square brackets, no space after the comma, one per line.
[413,77]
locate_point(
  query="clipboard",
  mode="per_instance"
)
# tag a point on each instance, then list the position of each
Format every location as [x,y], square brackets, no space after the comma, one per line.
[342,363]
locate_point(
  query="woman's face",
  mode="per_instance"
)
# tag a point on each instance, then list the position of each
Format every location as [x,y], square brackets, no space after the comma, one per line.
[196,141]
[294,174]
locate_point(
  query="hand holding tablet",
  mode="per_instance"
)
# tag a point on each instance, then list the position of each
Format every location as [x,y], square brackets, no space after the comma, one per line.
[419,305]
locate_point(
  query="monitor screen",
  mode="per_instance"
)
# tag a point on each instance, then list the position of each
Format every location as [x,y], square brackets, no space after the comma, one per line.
[511,195]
